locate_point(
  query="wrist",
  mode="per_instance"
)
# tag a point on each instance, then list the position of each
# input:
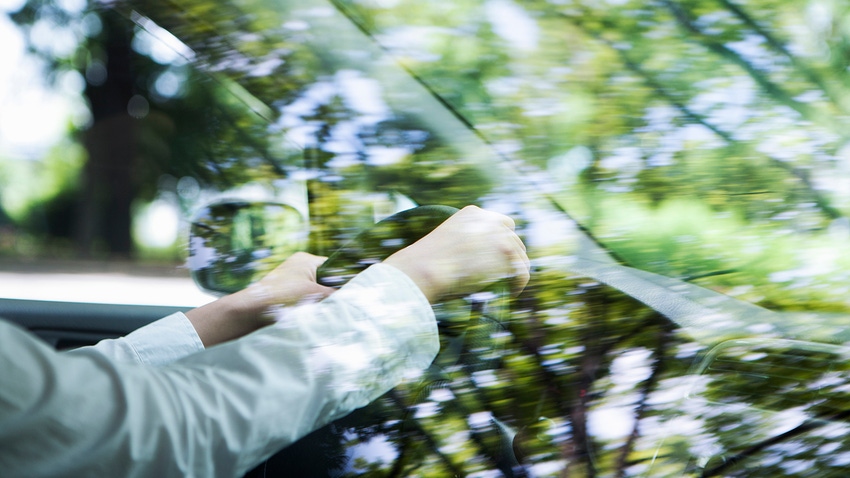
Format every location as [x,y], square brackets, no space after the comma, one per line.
[420,273]
[250,305]
[228,318]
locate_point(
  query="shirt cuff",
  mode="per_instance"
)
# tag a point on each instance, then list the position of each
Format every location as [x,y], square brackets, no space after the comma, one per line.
[158,343]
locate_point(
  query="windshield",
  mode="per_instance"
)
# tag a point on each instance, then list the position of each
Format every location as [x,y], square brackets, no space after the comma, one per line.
[678,170]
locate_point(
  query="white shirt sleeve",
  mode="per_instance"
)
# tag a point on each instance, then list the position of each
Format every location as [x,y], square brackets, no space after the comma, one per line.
[158,343]
[218,412]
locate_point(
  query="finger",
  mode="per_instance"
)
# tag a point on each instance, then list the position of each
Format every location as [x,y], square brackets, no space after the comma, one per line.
[522,275]
[305,263]
[315,257]
[517,240]
[499,218]
[520,263]
[508,222]
[306,258]
[316,261]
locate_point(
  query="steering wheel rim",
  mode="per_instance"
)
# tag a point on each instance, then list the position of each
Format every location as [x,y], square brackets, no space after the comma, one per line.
[380,241]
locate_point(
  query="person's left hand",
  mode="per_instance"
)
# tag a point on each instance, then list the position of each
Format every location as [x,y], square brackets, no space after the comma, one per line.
[292,282]
[230,317]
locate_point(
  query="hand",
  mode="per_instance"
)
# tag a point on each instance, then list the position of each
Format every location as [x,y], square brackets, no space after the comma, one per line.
[468,251]
[292,282]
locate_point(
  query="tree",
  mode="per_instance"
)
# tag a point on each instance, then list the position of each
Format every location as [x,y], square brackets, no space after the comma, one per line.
[149,118]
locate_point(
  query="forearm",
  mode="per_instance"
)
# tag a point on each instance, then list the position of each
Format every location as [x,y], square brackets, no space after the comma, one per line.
[235,315]
[158,343]
[230,317]
[221,411]
[319,362]
[181,334]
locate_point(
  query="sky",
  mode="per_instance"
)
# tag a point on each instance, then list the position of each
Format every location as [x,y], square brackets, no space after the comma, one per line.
[33,114]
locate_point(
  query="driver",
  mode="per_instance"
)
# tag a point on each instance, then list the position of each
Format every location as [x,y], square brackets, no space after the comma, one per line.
[220,389]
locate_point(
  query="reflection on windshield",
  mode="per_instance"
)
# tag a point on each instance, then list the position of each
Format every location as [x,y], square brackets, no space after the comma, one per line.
[678,169]
[694,145]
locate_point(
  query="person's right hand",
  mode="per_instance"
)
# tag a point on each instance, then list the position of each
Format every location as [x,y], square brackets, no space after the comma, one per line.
[467,252]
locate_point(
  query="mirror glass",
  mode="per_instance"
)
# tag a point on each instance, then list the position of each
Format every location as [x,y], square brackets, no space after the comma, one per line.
[236,242]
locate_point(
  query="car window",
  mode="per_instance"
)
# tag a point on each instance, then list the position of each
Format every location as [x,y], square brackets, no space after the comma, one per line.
[678,171]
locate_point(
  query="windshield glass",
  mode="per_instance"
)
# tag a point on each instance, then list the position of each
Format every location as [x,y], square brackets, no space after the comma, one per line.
[678,170]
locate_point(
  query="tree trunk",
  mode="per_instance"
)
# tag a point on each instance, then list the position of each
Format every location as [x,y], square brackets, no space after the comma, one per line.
[108,187]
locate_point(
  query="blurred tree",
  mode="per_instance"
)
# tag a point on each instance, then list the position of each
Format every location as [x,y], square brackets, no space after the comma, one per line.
[99,210]
[150,116]
[109,183]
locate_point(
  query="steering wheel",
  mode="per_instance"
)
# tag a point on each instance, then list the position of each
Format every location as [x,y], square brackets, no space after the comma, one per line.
[467,327]
[380,241]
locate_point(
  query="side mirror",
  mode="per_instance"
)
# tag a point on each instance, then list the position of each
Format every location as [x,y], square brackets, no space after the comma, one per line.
[233,243]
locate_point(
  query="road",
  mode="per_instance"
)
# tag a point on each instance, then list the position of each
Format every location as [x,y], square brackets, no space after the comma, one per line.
[100,282]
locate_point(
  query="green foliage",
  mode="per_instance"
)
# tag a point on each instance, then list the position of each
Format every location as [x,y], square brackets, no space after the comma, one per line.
[28,185]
